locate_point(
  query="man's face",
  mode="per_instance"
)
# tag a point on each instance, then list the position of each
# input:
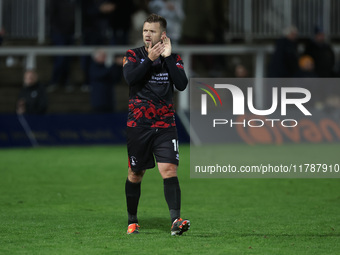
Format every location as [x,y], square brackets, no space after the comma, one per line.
[100,57]
[152,33]
[30,78]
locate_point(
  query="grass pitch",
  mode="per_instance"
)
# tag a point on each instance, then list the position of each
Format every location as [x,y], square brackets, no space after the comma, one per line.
[70,200]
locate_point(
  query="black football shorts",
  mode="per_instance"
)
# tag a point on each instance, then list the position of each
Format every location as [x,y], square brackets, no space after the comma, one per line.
[146,143]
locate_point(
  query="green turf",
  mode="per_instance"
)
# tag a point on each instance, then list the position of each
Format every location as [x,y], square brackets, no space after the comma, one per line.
[70,200]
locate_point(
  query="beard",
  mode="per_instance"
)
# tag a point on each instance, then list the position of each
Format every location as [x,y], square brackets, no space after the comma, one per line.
[147,44]
[151,42]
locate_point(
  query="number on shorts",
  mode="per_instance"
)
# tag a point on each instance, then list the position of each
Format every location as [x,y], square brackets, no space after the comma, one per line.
[175,142]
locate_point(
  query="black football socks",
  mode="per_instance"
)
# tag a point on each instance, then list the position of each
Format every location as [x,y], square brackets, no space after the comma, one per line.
[132,192]
[172,193]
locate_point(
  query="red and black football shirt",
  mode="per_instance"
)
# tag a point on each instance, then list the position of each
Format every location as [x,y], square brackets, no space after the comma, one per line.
[151,88]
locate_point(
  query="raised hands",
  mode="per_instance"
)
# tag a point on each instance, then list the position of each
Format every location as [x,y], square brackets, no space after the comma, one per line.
[167,46]
[155,51]
[162,48]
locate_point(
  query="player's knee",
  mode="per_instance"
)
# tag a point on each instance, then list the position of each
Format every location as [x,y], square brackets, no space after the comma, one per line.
[171,173]
[168,171]
[135,177]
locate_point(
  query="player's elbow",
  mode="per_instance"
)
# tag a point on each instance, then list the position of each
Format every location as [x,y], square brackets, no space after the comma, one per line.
[182,84]
[181,88]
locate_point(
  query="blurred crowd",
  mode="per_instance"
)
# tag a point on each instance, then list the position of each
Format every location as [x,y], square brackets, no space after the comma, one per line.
[316,59]
[119,22]
[103,23]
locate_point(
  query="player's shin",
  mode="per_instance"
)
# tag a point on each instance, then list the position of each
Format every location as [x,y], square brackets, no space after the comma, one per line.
[132,192]
[172,193]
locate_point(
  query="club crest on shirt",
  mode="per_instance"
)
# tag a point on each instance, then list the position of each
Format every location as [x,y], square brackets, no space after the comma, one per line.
[179,65]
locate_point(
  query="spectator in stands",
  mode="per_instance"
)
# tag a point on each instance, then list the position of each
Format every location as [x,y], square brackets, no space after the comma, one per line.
[121,21]
[95,27]
[173,12]
[306,70]
[62,15]
[322,53]
[284,61]
[32,98]
[139,16]
[306,67]
[102,81]
[96,20]
[241,71]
